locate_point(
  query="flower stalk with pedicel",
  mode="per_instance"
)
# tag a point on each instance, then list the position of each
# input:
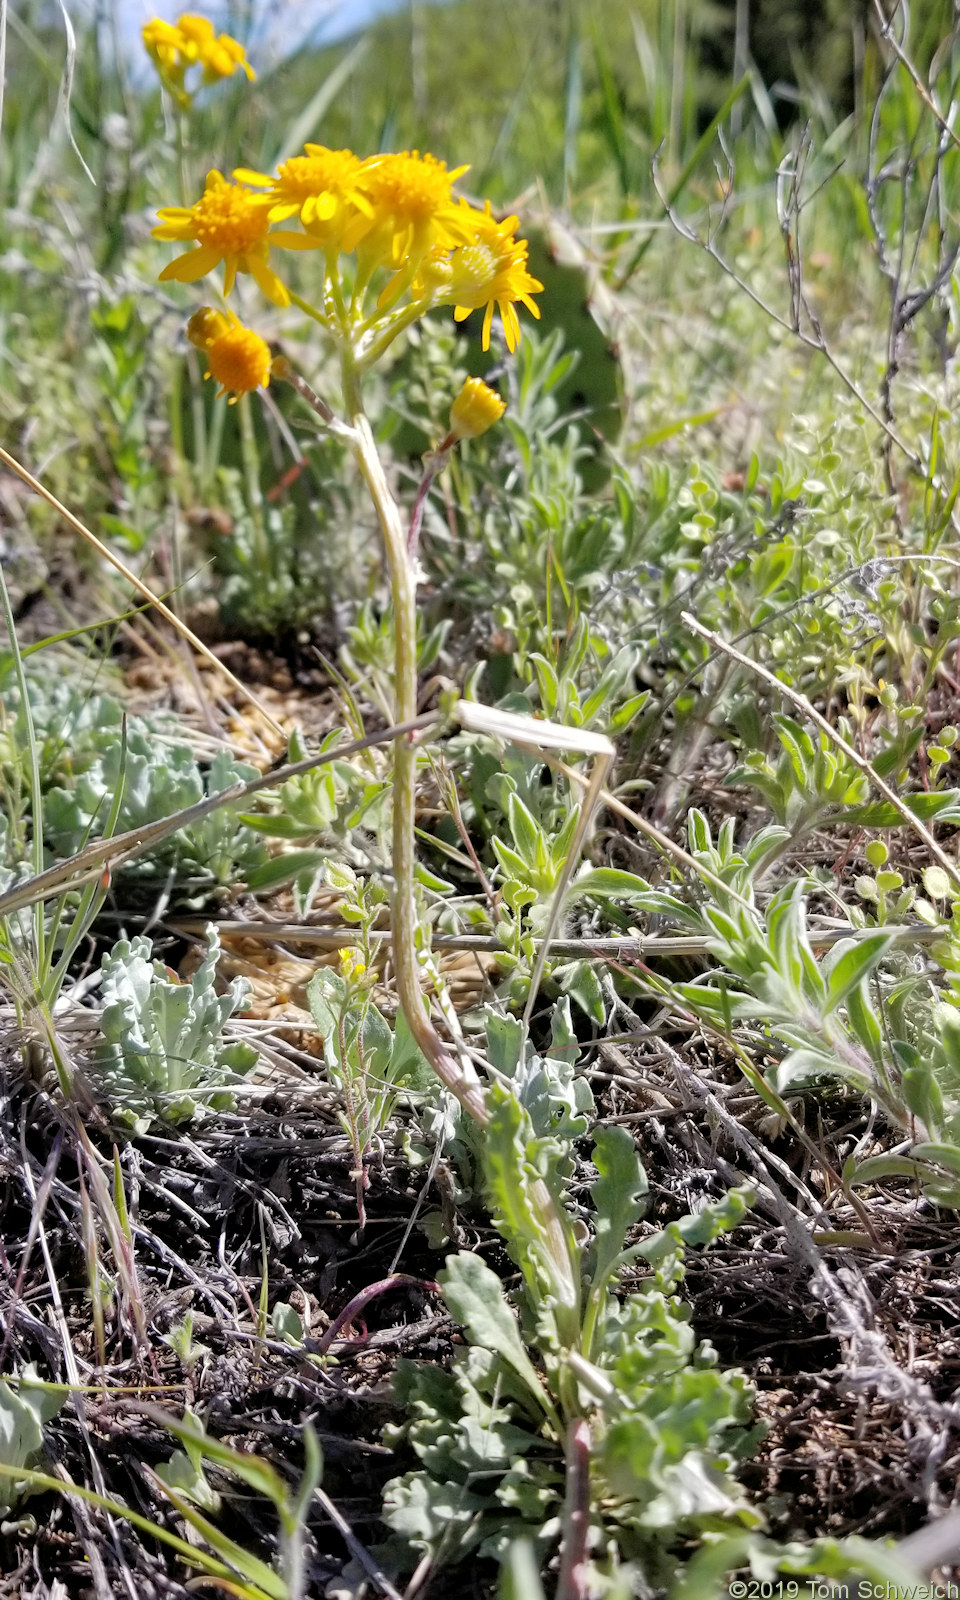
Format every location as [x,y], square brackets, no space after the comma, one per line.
[389,241]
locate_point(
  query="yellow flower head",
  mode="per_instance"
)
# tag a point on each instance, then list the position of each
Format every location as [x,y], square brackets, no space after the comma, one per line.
[227,224]
[490,271]
[476,408]
[411,212]
[236,356]
[321,187]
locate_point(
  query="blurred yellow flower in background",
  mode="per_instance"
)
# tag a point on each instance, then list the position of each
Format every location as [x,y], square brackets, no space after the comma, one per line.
[218,54]
[191,41]
[166,47]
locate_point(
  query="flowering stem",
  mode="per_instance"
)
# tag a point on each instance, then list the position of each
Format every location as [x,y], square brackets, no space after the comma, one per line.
[181,121]
[400,320]
[574,1580]
[405,923]
[433,463]
[251,471]
[308,309]
[284,373]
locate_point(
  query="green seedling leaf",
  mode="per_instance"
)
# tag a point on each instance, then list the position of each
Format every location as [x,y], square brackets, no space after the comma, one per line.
[525,1177]
[940,1155]
[186,1477]
[923,1096]
[619,1195]
[876,1168]
[609,883]
[163,1052]
[717,1217]
[252,1470]
[286,1323]
[938,806]
[504,1041]
[525,831]
[283,868]
[579,980]
[249,1566]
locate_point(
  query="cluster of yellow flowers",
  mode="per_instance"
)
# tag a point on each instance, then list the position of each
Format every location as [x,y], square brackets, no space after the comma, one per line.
[395,213]
[176,47]
[352,964]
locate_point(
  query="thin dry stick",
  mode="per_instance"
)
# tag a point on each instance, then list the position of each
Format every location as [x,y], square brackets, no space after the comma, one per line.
[803,704]
[890,38]
[656,836]
[681,944]
[813,341]
[359,1552]
[106,853]
[131,577]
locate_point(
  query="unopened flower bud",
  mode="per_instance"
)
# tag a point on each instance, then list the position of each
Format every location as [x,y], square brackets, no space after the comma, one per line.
[476,408]
[206,326]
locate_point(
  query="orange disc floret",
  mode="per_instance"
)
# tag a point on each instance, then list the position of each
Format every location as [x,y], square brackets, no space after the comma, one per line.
[237,357]
[409,189]
[207,324]
[227,224]
[491,272]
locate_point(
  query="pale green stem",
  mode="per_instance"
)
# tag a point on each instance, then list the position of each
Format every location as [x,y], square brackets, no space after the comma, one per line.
[401,319]
[308,309]
[251,472]
[404,594]
[336,291]
[181,125]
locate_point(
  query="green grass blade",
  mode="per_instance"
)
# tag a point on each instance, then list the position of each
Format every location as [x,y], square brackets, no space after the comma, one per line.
[689,168]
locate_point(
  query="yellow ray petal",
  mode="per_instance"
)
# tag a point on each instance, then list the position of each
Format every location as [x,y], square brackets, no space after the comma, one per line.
[188,268]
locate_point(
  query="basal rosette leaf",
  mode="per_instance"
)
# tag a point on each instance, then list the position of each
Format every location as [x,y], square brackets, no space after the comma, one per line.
[24,1408]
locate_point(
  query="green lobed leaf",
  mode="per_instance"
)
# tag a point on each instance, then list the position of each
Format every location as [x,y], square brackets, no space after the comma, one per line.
[618,1198]
[475,1297]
